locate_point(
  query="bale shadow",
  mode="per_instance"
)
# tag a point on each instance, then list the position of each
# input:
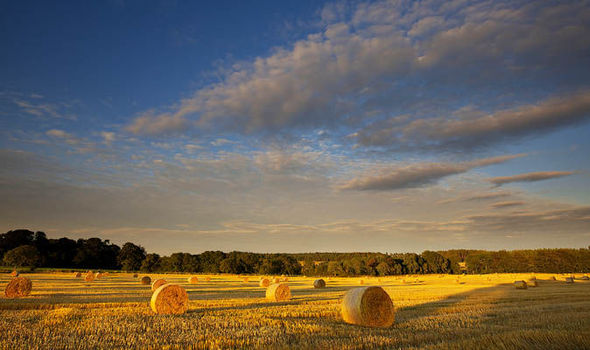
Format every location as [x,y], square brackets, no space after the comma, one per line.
[253,306]
[424,310]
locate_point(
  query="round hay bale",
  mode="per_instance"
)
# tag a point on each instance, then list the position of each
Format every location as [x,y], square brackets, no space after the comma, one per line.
[146,280]
[569,280]
[532,283]
[89,277]
[265,282]
[169,299]
[135,275]
[278,292]
[277,280]
[78,275]
[368,306]
[97,275]
[158,283]
[245,279]
[207,279]
[14,273]
[319,283]
[18,287]
[361,282]
[193,280]
[520,285]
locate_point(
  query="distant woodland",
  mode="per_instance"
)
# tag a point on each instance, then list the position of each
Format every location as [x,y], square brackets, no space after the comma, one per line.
[24,248]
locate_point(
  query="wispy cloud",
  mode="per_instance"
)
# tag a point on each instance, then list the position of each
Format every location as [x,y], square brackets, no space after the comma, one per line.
[62,135]
[475,129]
[500,205]
[530,177]
[418,175]
[571,220]
[488,196]
[108,137]
[476,197]
[53,110]
[151,124]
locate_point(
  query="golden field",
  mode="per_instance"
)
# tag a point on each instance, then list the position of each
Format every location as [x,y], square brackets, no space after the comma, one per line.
[432,312]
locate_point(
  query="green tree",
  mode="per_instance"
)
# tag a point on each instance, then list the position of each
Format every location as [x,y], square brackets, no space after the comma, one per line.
[271,266]
[384,269]
[131,256]
[435,263]
[335,269]
[25,255]
[151,263]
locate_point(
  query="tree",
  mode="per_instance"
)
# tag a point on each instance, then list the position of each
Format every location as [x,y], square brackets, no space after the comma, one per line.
[95,254]
[14,239]
[308,267]
[151,263]
[25,255]
[271,266]
[190,263]
[435,262]
[290,265]
[61,252]
[210,261]
[384,269]
[335,269]
[131,256]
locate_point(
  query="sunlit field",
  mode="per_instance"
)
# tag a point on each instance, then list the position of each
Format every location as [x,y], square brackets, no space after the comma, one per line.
[433,312]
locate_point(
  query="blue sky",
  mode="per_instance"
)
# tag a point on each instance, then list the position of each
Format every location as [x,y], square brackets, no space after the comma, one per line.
[298,126]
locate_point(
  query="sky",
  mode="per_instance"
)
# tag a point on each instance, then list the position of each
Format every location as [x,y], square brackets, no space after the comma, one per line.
[297,126]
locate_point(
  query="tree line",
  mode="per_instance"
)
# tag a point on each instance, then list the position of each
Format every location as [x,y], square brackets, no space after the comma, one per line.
[20,248]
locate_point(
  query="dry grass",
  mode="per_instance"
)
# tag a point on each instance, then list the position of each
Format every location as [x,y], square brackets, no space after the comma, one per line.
[435,313]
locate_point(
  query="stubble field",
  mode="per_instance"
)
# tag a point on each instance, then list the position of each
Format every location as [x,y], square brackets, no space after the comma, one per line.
[432,312]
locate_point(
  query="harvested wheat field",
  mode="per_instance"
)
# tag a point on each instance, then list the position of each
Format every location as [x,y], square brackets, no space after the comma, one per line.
[484,312]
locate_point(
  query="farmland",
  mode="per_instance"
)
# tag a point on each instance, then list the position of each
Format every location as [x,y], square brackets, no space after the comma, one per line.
[432,311]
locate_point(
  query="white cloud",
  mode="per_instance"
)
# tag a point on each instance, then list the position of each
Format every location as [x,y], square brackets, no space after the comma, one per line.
[66,137]
[108,137]
[379,59]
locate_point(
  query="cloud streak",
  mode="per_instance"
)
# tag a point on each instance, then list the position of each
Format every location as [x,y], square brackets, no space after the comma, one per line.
[418,175]
[500,205]
[481,130]
[530,177]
